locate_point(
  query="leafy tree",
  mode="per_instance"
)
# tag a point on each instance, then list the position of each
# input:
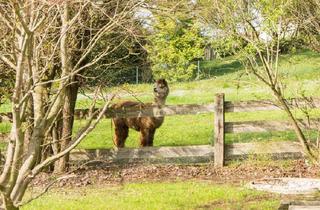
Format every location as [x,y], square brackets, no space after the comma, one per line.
[176,41]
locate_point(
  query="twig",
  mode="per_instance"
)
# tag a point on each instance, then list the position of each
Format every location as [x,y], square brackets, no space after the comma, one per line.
[45,190]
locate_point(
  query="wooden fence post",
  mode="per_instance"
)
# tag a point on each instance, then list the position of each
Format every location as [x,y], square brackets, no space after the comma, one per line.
[219,130]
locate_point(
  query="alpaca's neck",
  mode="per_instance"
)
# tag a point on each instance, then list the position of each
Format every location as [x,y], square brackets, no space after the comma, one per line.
[160,101]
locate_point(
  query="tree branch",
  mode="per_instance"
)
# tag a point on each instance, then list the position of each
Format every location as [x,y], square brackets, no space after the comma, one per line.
[82,133]
[8,62]
[46,189]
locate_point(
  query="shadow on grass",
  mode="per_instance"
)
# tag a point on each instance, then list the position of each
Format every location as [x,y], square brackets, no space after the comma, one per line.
[221,68]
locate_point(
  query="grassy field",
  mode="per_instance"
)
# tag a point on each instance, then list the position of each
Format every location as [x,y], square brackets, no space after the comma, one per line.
[162,195]
[181,130]
[300,74]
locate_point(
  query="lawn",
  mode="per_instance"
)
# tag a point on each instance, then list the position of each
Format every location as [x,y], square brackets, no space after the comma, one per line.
[187,130]
[301,76]
[300,72]
[159,195]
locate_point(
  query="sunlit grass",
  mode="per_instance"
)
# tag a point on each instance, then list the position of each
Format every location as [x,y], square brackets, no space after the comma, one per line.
[5,127]
[162,195]
[185,130]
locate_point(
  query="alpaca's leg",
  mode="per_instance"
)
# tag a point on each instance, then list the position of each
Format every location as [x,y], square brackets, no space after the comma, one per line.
[121,131]
[151,136]
[146,137]
[144,133]
[121,134]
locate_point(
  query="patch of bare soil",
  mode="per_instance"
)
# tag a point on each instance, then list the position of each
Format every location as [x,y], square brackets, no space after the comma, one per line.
[105,173]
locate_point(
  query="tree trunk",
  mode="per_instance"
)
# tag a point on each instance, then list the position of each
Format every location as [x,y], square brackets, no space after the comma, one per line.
[28,131]
[67,119]
[8,203]
[67,125]
[297,129]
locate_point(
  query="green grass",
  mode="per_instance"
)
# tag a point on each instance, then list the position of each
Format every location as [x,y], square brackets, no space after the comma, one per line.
[300,72]
[5,107]
[164,195]
[184,130]
[177,130]
[301,76]
[5,127]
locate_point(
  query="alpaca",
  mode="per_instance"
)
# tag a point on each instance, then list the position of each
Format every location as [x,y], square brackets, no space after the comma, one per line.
[145,125]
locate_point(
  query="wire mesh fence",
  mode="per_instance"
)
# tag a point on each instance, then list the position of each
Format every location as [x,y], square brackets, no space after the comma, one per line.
[143,74]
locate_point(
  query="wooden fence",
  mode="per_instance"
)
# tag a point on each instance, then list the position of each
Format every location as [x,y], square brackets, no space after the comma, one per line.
[218,152]
[221,127]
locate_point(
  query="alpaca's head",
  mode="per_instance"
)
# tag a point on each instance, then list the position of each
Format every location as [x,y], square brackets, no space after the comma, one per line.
[161,89]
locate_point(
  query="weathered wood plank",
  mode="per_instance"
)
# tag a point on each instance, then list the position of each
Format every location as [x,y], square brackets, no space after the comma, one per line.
[267,126]
[184,109]
[81,114]
[281,149]
[304,201]
[249,106]
[157,111]
[242,106]
[304,207]
[188,154]
[268,105]
[219,133]
[142,111]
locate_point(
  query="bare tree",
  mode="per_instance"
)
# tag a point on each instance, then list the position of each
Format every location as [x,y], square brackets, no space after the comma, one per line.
[307,18]
[74,53]
[36,47]
[255,29]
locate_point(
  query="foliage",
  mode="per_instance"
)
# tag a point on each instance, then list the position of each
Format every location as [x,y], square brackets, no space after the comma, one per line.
[225,46]
[235,26]
[175,42]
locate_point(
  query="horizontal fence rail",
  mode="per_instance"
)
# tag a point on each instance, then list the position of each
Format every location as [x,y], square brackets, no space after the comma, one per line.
[269,105]
[188,154]
[157,111]
[267,126]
